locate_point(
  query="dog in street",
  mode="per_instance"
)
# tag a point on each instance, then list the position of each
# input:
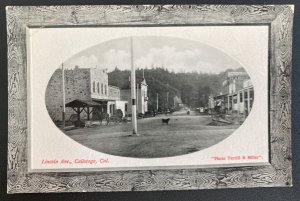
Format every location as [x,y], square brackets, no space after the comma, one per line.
[165,121]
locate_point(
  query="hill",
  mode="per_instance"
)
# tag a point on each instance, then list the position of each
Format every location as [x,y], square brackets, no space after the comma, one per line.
[193,87]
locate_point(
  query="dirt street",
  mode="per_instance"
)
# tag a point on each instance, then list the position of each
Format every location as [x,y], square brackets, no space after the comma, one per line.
[184,134]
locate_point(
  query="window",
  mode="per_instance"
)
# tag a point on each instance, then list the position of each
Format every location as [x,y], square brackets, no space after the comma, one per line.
[252,94]
[112,108]
[98,88]
[241,97]
[235,99]
[94,86]
[105,89]
[101,88]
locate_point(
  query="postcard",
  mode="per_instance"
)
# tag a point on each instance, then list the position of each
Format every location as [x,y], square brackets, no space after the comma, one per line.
[156,97]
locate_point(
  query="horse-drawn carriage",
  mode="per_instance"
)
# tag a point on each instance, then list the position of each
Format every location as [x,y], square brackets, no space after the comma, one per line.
[98,118]
[94,115]
[117,117]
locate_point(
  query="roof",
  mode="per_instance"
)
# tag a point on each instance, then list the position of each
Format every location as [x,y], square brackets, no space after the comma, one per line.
[220,96]
[144,81]
[82,103]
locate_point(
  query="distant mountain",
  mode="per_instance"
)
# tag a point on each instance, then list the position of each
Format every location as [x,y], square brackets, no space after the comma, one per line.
[193,87]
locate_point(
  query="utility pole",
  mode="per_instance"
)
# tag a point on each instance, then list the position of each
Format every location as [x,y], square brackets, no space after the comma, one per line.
[156,101]
[167,99]
[137,98]
[63,97]
[133,92]
[174,101]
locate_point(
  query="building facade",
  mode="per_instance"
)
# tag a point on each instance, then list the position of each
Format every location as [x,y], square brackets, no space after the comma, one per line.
[141,98]
[236,96]
[82,84]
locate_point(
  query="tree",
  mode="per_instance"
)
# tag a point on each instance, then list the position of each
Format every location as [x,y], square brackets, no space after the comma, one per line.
[192,87]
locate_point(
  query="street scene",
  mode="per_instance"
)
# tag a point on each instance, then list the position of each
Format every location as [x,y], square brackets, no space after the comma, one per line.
[149,97]
[182,135]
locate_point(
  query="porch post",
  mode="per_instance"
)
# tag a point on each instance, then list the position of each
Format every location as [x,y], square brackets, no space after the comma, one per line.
[88,113]
[248,91]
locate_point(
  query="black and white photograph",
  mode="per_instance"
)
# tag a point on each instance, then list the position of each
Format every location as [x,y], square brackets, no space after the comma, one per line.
[125,97]
[187,96]
[149,97]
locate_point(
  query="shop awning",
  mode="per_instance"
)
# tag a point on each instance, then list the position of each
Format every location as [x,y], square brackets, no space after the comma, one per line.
[83,103]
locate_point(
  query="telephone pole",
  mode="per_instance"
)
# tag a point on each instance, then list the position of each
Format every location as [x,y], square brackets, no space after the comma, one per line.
[133,92]
[167,99]
[137,98]
[156,101]
[174,103]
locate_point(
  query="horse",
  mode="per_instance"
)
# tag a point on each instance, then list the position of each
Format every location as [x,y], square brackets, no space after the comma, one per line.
[117,117]
[103,116]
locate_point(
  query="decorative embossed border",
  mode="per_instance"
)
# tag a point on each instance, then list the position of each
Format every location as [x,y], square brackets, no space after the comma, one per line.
[277,173]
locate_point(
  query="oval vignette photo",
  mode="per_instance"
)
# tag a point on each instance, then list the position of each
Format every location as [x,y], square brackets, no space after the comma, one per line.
[149,96]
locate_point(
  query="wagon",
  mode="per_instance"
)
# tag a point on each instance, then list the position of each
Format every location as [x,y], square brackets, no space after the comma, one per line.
[117,117]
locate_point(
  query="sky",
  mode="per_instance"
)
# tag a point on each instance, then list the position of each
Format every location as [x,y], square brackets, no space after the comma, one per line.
[175,54]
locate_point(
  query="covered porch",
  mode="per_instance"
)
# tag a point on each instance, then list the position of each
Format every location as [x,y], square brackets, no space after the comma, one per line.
[88,106]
